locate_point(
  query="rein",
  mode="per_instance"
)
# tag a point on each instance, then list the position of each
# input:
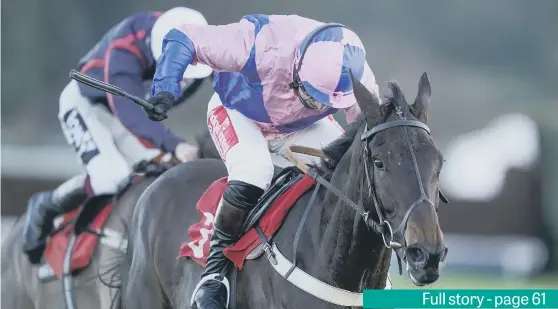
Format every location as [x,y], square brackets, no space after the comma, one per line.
[382,226]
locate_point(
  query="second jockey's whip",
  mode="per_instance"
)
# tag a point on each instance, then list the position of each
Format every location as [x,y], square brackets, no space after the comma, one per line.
[95,83]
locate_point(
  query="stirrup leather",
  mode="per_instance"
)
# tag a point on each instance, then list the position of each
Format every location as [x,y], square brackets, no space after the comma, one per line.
[215,277]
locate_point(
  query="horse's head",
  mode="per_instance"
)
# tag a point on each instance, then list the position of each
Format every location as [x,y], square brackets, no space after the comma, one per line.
[402,166]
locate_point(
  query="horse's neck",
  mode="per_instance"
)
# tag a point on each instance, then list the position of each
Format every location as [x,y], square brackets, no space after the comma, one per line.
[350,256]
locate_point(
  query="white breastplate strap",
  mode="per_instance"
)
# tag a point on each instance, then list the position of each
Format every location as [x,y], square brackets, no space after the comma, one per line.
[314,286]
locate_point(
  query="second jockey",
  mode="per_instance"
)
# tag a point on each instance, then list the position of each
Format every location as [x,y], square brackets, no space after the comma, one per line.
[108,133]
[279,80]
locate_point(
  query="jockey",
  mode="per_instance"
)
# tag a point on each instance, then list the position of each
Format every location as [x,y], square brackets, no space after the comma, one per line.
[279,80]
[108,133]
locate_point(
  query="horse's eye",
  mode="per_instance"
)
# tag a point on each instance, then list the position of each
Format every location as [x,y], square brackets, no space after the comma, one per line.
[378,163]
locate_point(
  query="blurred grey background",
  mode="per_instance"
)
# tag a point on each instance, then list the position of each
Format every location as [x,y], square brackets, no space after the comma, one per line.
[493,66]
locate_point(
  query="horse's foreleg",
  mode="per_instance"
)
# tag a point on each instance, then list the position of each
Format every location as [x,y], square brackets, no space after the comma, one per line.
[14,293]
[141,288]
[110,277]
[18,278]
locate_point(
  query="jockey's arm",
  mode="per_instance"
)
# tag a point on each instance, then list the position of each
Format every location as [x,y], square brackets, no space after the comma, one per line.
[125,70]
[369,81]
[223,48]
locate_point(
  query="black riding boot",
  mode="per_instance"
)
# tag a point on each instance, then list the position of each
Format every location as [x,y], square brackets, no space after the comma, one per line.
[231,214]
[43,207]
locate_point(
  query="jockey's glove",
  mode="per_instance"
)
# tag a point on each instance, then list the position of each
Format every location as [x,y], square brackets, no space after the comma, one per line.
[163,101]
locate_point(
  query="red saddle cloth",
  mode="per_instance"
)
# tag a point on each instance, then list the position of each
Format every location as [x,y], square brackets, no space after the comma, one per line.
[84,247]
[197,248]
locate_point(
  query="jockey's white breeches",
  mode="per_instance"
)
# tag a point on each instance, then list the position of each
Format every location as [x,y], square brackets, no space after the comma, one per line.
[249,157]
[103,145]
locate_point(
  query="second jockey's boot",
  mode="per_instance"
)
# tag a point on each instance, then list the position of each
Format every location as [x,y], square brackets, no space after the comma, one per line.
[43,207]
[232,212]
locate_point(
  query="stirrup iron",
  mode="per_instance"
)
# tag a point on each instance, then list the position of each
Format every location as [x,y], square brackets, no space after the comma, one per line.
[215,277]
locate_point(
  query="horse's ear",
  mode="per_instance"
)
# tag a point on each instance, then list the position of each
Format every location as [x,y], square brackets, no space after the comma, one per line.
[368,102]
[420,106]
[397,97]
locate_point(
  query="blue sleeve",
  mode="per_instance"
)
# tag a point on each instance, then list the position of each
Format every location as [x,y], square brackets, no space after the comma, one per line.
[125,71]
[178,52]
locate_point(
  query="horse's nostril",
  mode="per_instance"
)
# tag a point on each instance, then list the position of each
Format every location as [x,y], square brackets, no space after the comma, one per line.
[417,255]
[444,255]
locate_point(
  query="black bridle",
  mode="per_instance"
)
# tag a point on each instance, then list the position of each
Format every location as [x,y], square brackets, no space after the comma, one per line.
[383,226]
[393,239]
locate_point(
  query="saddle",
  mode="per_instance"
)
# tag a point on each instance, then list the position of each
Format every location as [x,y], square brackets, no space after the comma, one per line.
[287,186]
[265,219]
[87,223]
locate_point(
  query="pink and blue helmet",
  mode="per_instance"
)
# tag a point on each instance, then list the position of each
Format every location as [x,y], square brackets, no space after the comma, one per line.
[322,65]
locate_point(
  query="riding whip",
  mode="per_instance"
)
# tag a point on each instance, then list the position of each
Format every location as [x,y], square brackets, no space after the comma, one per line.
[95,83]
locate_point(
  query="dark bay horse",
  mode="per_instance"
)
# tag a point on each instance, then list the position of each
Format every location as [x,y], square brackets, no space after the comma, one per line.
[92,287]
[379,192]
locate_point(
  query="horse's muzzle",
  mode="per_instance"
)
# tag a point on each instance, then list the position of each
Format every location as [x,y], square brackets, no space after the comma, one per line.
[424,264]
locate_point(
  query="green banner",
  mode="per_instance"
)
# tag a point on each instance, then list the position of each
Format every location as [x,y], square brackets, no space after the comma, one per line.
[428,298]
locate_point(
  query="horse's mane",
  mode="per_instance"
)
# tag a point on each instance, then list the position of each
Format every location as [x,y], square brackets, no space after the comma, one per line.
[339,147]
